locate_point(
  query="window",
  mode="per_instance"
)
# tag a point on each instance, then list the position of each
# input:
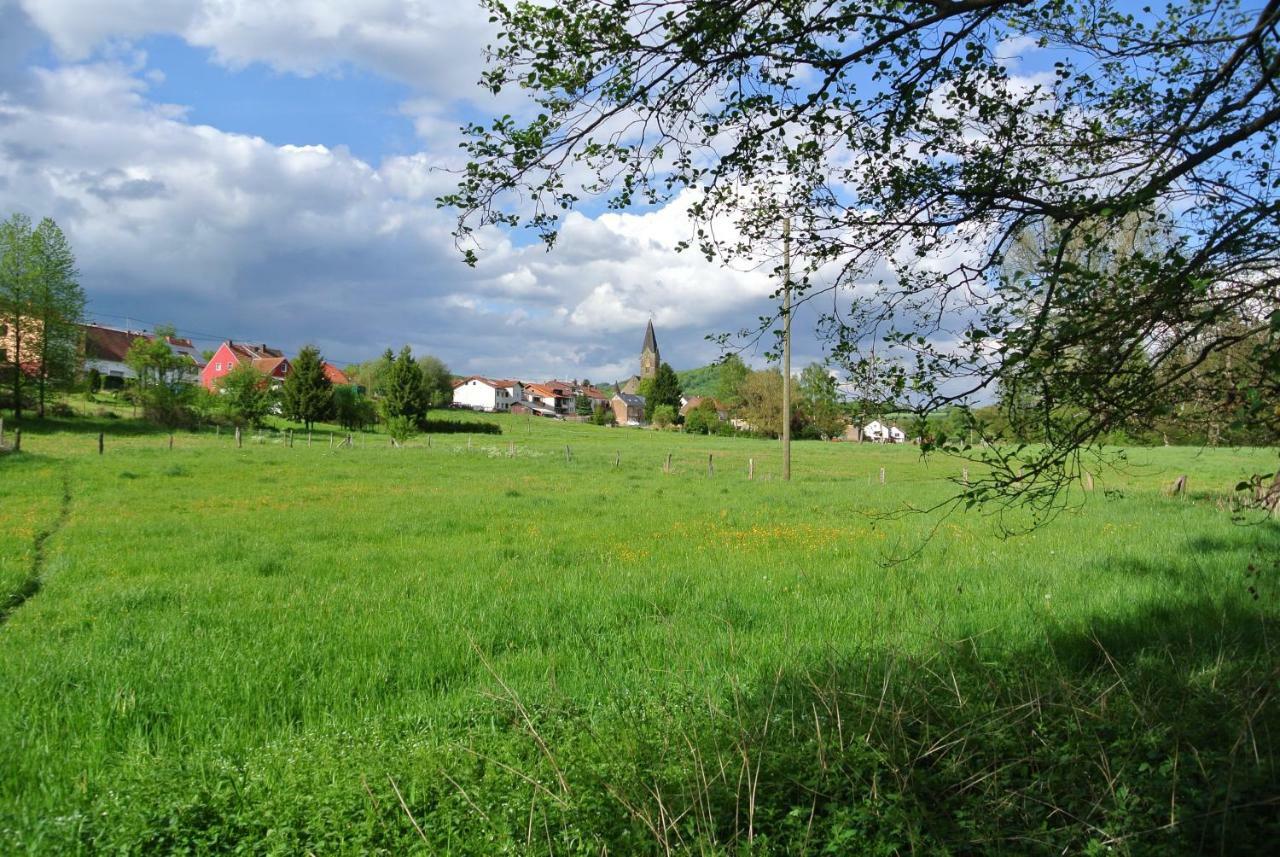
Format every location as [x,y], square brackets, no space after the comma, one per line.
[217,367]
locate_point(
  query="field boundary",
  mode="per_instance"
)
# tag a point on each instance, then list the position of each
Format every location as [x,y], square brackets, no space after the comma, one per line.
[32,584]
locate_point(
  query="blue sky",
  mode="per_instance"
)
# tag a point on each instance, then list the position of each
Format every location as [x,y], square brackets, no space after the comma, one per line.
[268,171]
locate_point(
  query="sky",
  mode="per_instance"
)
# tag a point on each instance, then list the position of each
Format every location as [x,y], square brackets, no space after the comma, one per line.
[266,170]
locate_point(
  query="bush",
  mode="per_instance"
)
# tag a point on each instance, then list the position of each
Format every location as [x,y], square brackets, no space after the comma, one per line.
[61,410]
[664,416]
[459,427]
[401,427]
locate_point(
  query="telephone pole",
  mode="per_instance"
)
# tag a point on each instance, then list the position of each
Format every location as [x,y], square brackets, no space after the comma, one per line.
[786,349]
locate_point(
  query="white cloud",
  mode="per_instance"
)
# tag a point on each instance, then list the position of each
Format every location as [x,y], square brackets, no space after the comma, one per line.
[434,46]
[229,235]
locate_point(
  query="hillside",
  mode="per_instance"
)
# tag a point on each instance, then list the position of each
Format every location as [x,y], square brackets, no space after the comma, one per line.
[700,381]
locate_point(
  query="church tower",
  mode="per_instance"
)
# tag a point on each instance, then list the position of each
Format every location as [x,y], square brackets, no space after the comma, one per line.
[649,357]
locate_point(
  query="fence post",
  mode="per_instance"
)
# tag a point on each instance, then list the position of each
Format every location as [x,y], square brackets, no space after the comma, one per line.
[331,440]
[1,431]
[666,467]
[511,449]
[17,440]
[1088,481]
[568,454]
[239,441]
[964,474]
[308,437]
[170,440]
[428,441]
[881,475]
[751,469]
[617,457]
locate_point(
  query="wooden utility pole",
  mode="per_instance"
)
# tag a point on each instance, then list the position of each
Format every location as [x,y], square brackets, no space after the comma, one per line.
[786,349]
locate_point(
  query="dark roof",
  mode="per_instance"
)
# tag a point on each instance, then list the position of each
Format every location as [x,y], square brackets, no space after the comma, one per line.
[107,343]
[650,341]
[630,400]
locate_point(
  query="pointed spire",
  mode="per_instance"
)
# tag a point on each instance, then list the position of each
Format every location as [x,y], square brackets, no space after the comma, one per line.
[650,341]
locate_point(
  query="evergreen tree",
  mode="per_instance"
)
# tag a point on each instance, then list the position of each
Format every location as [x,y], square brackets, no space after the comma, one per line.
[662,389]
[307,395]
[57,307]
[402,394]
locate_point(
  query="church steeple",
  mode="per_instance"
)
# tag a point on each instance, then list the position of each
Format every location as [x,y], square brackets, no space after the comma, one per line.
[649,357]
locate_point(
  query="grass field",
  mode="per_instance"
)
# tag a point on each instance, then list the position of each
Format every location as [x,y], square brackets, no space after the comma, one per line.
[454,649]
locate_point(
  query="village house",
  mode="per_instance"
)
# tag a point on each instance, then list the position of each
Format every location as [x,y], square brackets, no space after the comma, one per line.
[878,432]
[550,399]
[105,349]
[486,394]
[628,409]
[691,403]
[229,355]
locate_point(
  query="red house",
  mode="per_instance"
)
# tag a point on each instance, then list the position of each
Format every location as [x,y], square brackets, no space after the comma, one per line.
[229,355]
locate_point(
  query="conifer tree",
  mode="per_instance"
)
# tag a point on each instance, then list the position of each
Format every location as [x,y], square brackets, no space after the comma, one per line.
[308,394]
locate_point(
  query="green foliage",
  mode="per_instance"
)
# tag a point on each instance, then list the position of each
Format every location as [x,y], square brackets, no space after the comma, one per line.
[163,385]
[436,426]
[820,401]
[701,381]
[307,394]
[664,416]
[401,392]
[94,381]
[662,389]
[704,419]
[246,394]
[352,409]
[401,427]
[604,416]
[437,382]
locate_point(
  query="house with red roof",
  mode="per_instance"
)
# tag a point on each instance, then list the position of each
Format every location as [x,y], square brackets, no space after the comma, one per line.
[336,376]
[229,355]
[105,349]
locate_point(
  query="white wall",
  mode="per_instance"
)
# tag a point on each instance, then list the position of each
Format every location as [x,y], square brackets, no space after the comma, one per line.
[477,394]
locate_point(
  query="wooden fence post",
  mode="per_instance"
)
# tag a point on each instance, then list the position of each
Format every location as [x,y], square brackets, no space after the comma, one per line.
[331,440]
[171,441]
[881,475]
[1088,481]
[511,449]
[308,438]
[964,474]
[428,441]
[568,454]
[617,457]
[239,440]
[1179,487]
[666,467]
[17,440]
[1,431]
[751,469]
[711,465]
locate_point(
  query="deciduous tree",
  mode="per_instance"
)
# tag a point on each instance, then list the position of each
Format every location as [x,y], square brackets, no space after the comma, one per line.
[909,155]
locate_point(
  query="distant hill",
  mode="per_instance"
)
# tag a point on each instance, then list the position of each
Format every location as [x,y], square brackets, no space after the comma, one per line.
[700,381]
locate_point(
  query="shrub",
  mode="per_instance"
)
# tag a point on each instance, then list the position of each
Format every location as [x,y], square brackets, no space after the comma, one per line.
[664,416]
[459,427]
[401,427]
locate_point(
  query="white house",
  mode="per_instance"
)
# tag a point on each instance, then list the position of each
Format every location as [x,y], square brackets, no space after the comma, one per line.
[486,394]
[877,432]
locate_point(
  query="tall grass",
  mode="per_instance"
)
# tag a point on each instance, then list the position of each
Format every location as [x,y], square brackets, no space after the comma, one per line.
[494,645]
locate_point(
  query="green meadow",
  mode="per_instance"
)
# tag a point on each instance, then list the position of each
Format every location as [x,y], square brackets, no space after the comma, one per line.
[540,643]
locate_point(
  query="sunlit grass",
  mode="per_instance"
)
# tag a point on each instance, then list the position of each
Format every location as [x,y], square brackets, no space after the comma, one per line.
[242,645]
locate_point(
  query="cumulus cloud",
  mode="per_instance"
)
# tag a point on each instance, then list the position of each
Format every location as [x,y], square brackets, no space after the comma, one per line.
[432,45]
[228,235]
